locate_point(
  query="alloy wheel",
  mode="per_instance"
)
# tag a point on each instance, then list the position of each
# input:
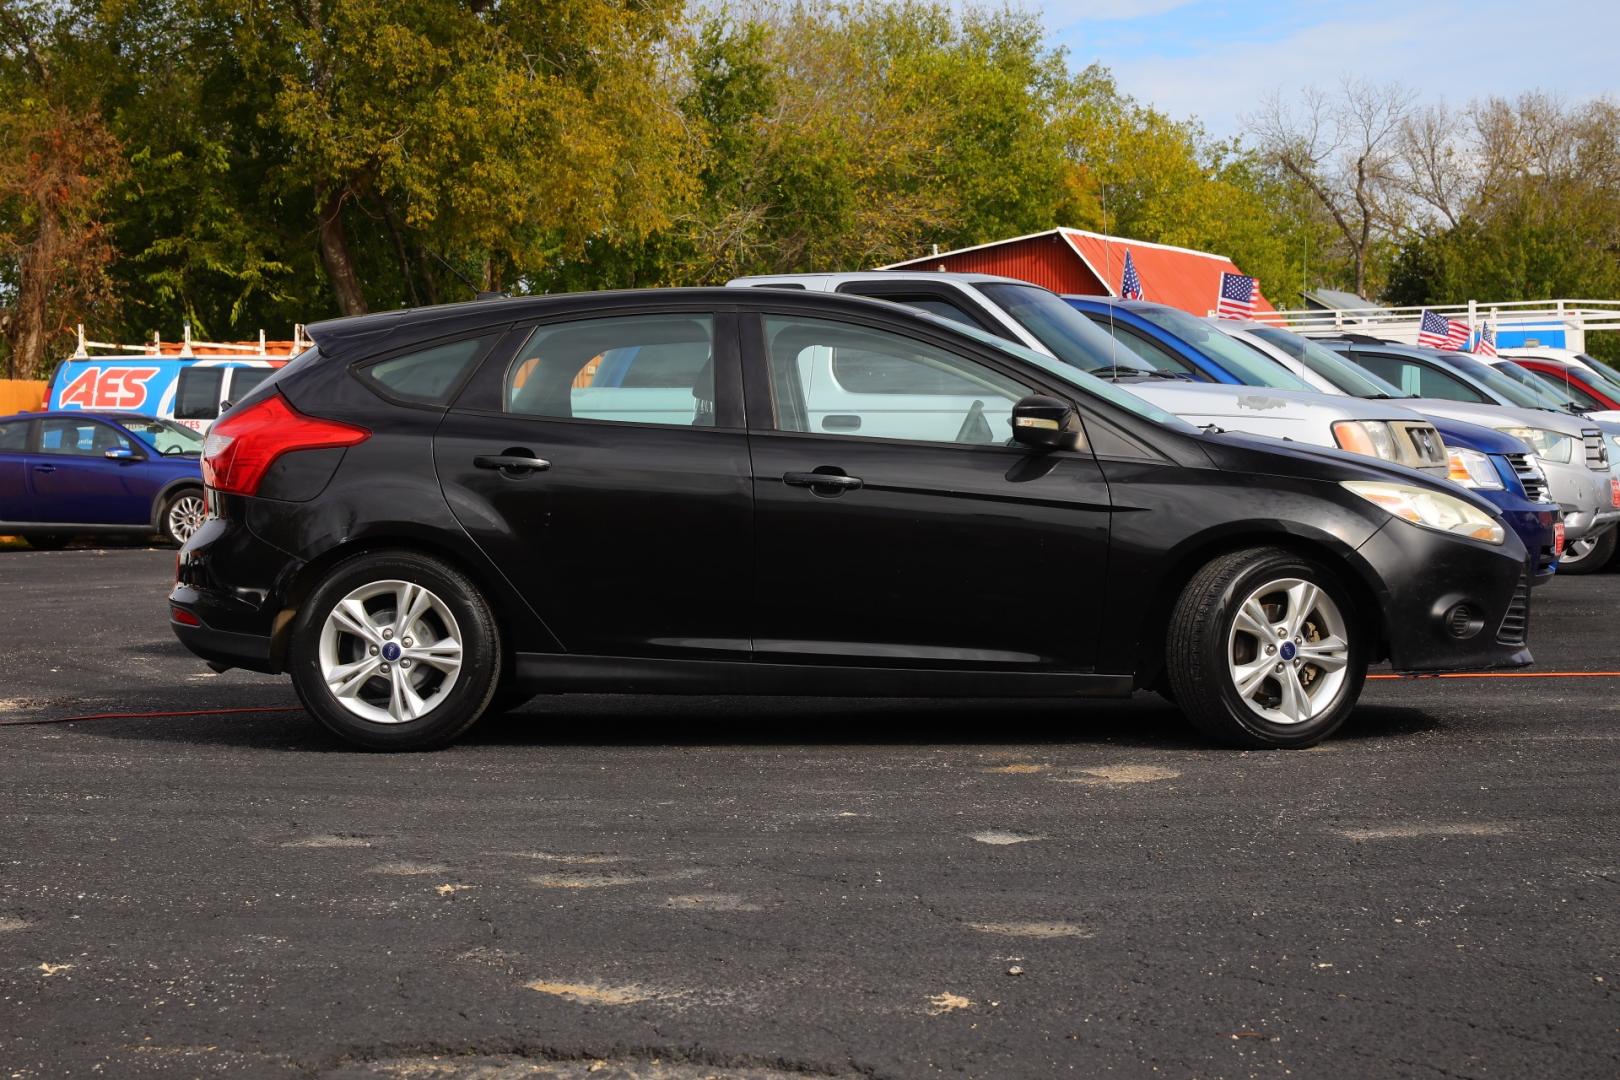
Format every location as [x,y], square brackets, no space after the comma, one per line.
[186,516]
[1288,651]
[390,651]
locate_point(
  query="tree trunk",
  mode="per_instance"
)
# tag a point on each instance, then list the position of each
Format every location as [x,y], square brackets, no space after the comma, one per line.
[26,329]
[335,255]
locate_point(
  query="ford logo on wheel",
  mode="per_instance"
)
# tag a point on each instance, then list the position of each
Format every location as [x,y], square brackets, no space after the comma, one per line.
[390,651]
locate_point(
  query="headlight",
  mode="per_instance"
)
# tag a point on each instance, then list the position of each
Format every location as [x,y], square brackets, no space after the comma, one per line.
[1430,509]
[1370,437]
[1547,444]
[1472,469]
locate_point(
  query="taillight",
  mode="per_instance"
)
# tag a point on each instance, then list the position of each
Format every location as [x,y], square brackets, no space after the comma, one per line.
[243,445]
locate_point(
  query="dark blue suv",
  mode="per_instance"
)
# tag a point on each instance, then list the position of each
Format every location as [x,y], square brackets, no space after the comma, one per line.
[66,473]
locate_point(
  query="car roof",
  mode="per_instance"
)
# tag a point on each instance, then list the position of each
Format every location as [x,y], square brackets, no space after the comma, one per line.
[362,335]
[873,275]
[112,415]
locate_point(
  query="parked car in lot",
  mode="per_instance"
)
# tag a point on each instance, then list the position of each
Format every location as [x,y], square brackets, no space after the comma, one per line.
[1592,391]
[1570,449]
[65,474]
[437,510]
[1501,468]
[1038,319]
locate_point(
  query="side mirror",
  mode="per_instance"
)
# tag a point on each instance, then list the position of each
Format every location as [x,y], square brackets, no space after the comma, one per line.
[1045,423]
[122,453]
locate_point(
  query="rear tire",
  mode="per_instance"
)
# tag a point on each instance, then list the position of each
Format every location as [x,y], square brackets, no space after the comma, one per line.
[1588,555]
[395,650]
[1241,681]
[182,514]
[48,541]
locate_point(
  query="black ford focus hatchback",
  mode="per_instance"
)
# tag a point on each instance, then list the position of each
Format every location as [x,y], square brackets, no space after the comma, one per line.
[437,513]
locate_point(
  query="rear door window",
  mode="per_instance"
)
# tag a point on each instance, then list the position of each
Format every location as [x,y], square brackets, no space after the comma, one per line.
[196,395]
[645,369]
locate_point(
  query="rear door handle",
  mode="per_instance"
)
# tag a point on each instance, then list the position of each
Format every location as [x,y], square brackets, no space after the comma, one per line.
[821,480]
[519,463]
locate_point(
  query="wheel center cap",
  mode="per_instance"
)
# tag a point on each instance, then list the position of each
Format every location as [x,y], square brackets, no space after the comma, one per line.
[1288,650]
[391,651]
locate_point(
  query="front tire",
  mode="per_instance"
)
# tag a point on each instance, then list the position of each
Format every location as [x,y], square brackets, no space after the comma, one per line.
[1264,650]
[1590,554]
[395,651]
[183,513]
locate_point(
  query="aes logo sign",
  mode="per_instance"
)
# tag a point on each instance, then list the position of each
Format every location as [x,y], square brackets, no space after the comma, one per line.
[108,388]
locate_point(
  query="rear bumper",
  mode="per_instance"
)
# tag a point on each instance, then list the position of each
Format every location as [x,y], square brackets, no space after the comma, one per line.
[1431,586]
[239,620]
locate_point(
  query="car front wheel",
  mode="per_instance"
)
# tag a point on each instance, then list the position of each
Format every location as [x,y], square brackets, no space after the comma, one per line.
[1589,554]
[395,651]
[1264,650]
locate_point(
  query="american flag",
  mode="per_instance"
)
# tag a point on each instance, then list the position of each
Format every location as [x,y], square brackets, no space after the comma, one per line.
[1238,293]
[1486,345]
[1130,286]
[1436,331]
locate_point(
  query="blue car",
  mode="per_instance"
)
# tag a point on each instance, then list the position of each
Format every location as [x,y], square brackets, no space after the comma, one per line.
[1503,469]
[1172,340]
[67,473]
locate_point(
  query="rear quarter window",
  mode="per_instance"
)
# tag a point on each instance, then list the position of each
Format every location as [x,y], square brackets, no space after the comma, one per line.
[426,376]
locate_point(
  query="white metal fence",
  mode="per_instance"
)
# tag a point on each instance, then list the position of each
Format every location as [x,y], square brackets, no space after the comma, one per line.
[1554,323]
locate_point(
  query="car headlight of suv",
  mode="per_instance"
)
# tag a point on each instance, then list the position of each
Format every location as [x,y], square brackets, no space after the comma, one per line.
[1430,509]
[1551,445]
[1472,469]
[1370,437]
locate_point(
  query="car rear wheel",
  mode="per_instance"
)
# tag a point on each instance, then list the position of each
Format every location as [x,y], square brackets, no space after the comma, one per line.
[1589,554]
[183,514]
[1264,651]
[395,651]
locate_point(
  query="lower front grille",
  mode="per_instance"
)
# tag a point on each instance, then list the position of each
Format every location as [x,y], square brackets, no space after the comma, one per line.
[1515,628]
[1530,475]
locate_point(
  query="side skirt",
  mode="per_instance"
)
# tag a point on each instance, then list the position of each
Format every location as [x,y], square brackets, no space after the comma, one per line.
[563,673]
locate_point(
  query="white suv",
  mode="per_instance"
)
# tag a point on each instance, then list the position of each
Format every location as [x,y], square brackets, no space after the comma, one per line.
[1038,319]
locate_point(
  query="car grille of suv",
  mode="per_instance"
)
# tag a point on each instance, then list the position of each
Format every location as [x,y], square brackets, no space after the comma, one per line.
[1535,484]
[1516,623]
[1597,455]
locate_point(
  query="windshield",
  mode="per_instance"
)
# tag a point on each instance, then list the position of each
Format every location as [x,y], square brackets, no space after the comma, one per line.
[1071,374]
[164,436]
[1242,362]
[1528,378]
[1529,397]
[1072,337]
[1353,380]
[1602,367]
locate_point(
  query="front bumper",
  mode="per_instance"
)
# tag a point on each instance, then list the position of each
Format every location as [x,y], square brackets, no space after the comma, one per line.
[1450,604]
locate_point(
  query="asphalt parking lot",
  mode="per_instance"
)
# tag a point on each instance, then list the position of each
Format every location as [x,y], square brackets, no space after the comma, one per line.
[682,888]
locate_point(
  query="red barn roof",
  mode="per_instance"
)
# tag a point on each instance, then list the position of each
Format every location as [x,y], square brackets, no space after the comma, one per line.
[1076,261]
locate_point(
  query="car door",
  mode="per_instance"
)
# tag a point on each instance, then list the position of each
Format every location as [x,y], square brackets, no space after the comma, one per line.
[16,504]
[603,466]
[74,482]
[890,539]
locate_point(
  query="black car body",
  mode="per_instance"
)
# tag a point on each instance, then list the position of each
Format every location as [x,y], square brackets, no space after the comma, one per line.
[747,542]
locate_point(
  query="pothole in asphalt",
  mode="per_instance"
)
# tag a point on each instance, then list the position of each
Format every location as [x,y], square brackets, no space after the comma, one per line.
[1001,838]
[711,902]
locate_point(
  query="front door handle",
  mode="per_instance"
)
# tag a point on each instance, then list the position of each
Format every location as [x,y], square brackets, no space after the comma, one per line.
[829,482]
[513,462]
[44,468]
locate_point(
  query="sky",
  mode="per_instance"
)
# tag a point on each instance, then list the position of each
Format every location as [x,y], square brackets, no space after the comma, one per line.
[1215,59]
